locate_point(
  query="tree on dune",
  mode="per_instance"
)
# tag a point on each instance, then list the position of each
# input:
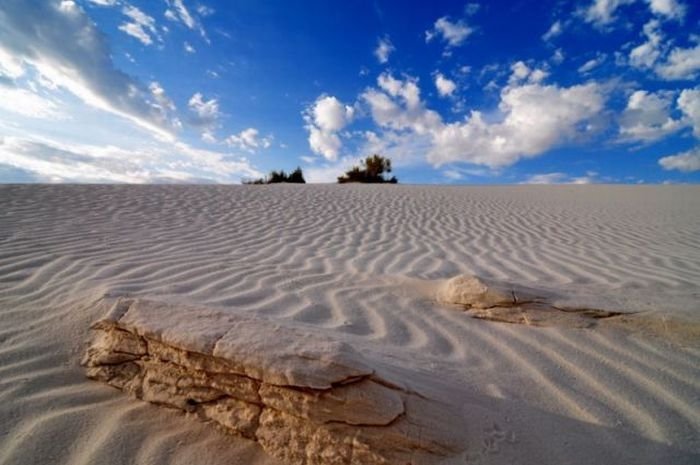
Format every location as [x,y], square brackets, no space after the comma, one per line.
[372,170]
[295,177]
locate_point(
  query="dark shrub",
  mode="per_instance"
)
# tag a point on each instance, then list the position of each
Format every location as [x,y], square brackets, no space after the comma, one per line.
[296,177]
[371,171]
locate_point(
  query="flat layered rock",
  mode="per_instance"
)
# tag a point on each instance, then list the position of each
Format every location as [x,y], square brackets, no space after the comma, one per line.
[303,396]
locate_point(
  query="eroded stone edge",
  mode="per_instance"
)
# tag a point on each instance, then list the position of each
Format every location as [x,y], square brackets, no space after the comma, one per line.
[134,373]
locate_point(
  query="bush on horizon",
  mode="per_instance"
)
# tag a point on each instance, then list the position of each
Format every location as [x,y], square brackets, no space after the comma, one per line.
[295,177]
[371,171]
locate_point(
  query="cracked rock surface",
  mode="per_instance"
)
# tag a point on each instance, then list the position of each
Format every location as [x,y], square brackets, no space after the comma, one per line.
[303,396]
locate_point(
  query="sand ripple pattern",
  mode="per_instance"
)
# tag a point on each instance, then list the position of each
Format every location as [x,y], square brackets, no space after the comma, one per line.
[343,258]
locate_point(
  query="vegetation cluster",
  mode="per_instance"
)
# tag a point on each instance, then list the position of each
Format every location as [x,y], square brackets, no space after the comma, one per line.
[295,177]
[371,171]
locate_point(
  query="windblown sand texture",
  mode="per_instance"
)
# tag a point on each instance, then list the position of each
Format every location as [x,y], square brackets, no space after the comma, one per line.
[362,265]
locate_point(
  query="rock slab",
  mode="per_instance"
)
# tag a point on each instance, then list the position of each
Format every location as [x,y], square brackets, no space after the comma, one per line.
[303,396]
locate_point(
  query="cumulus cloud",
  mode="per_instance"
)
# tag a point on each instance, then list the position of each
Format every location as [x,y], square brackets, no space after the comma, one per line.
[602,12]
[536,118]
[249,140]
[668,8]
[646,54]
[48,160]
[520,72]
[140,25]
[206,113]
[686,161]
[444,86]
[452,33]
[398,106]
[324,119]
[384,49]
[647,117]
[62,45]
[681,64]
[689,104]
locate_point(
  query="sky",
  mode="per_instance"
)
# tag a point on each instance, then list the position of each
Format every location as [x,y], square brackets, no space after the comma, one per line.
[219,91]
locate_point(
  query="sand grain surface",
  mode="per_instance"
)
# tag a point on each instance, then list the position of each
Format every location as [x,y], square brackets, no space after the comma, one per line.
[362,263]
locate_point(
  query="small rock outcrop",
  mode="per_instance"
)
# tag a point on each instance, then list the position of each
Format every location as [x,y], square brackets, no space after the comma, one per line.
[500,302]
[474,293]
[303,396]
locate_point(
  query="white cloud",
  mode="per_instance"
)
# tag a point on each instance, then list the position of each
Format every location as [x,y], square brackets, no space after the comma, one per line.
[445,86]
[646,54]
[681,64]
[160,97]
[560,178]
[685,161]
[520,72]
[324,119]
[330,114]
[249,140]
[188,47]
[208,136]
[206,112]
[62,45]
[399,106]
[647,117]
[27,103]
[669,8]
[558,56]
[602,12]
[384,49]
[104,2]
[593,63]
[183,13]
[141,26]
[329,172]
[453,33]
[205,10]
[327,144]
[178,12]
[10,66]
[54,161]
[689,104]
[536,118]
[554,30]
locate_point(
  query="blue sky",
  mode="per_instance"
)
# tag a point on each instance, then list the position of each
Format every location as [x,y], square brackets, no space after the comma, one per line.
[590,91]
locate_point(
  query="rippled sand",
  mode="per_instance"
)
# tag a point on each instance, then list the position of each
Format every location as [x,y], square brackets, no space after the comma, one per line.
[362,262]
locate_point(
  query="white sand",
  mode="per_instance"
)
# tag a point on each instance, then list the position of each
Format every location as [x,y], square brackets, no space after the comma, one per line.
[363,263]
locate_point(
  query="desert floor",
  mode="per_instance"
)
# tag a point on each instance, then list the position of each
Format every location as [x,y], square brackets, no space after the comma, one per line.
[362,263]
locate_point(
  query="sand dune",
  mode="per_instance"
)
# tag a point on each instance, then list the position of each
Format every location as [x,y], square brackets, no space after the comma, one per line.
[362,262]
